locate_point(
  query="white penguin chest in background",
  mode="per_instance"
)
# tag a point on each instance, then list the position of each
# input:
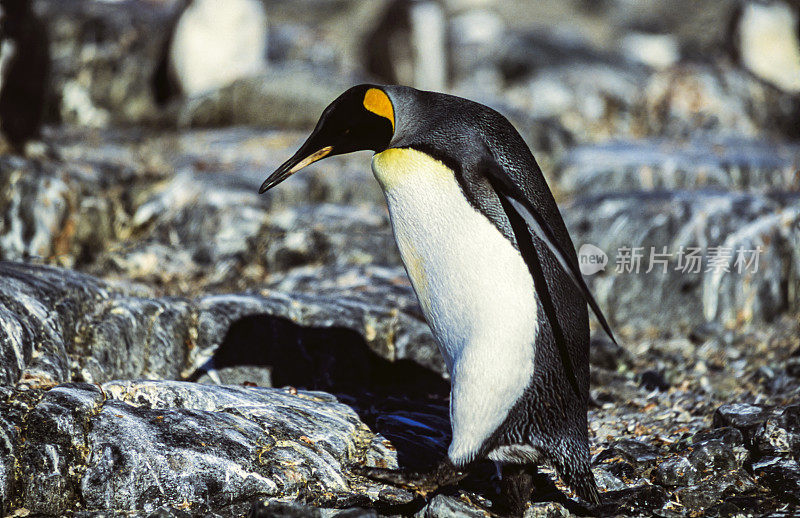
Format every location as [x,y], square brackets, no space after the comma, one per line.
[474,288]
[769,45]
[217,42]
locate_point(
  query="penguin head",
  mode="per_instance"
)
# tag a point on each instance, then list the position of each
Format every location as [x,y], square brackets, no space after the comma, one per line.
[360,119]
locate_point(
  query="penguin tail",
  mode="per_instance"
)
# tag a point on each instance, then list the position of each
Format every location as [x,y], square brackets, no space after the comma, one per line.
[576,472]
[586,488]
[581,480]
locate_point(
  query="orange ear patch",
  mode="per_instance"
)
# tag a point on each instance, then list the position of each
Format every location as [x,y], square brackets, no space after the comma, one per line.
[376,101]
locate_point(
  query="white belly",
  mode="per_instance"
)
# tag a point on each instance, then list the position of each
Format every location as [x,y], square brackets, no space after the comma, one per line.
[474,288]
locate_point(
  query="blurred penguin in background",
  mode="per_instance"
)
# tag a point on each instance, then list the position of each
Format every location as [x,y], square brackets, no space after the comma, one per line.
[24,73]
[764,37]
[213,43]
[408,45]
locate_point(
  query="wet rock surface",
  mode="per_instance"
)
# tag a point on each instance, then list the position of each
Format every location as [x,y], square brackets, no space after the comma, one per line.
[199,278]
[657,233]
[142,445]
[657,164]
[669,449]
[60,326]
[279,336]
[104,56]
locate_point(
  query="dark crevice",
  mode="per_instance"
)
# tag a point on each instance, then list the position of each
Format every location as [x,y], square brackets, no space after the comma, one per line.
[338,360]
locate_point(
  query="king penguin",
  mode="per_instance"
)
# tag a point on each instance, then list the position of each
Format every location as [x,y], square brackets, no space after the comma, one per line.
[495,273]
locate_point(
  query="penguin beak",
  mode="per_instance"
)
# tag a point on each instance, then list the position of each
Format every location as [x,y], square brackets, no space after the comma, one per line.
[300,160]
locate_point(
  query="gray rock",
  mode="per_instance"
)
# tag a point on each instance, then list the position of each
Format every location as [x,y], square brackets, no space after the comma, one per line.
[288,98]
[328,234]
[682,221]
[34,209]
[596,102]
[730,163]
[247,375]
[40,310]
[633,500]
[546,510]
[524,53]
[267,508]
[335,43]
[374,316]
[194,223]
[294,41]
[58,325]
[726,434]
[713,456]
[622,470]
[636,452]
[131,337]
[748,419]
[70,210]
[716,489]
[700,29]
[130,445]
[590,101]
[476,34]
[607,481]
[205,224]
[98,331]
[356,512]
[690,97]
[676,471]
[729,436]
[55,212]
[303,288]
[53,451]
[781,433]
[780,475]
[100,77]
[443,506]
[9,437]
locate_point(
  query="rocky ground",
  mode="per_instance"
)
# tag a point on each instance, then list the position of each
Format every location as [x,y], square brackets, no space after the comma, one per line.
[174,344]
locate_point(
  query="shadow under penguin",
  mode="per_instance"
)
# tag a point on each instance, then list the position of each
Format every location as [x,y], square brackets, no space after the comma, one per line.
[339,361]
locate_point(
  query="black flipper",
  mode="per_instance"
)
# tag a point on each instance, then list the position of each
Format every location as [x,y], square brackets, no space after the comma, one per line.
[528,251]
[513,195]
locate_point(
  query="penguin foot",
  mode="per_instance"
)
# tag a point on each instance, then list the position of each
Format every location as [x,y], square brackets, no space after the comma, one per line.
[443,475]
[516,487]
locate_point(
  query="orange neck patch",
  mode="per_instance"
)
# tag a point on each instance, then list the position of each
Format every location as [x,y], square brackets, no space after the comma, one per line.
[376,101]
